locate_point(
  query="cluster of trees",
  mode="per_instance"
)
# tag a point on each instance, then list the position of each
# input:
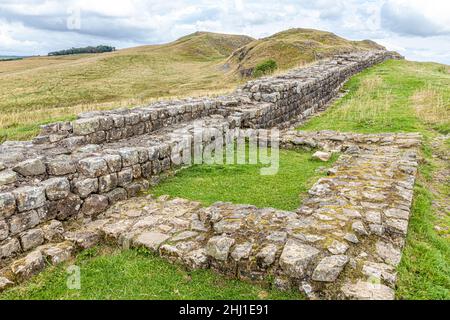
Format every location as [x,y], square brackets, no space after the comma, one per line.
[97,49]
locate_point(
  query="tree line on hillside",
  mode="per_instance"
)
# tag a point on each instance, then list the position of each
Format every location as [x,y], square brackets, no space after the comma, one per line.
[97,49]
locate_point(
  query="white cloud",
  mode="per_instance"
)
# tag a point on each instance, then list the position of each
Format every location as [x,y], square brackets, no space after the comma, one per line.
[40,26]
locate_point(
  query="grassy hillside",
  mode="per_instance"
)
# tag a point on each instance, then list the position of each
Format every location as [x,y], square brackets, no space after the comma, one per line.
[203,63]
[295,47]
[53,88]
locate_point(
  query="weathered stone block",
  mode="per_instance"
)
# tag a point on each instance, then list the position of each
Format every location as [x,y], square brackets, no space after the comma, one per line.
[28,198]
[23,221]
[30,167]
[7,176]
[218,247]
[56,188]
[65,208]
[150,240]
[329,268]
[296,257]
[93,167]
[58,253]
[4,230]
[30,265]
[85,186]
[53,230]
[114,162]
[130,156]
[94,204]
[107,183]
[125,177]
[7,204]
[85,126]
[61,167]
[83,239]
[9,248]
[31,239]
[116,195]
[5,283]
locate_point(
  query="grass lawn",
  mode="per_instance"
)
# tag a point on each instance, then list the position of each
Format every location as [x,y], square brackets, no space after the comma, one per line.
[137,274]
[243,184]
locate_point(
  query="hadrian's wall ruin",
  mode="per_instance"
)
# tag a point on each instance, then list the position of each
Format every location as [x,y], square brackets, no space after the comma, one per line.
[75,171]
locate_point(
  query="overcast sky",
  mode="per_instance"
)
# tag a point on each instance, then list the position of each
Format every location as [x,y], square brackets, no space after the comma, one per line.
[419,29]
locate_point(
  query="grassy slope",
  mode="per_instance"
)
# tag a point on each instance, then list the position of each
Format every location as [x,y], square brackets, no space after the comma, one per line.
[391,98]
[58,88]
[55,88]
[133,274]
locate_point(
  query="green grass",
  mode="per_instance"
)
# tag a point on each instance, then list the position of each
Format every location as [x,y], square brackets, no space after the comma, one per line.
[424,272]
[136,274]
[380,99]
[243,183]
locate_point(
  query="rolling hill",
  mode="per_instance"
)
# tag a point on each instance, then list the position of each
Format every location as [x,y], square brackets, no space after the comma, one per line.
[202,63]
[294,47]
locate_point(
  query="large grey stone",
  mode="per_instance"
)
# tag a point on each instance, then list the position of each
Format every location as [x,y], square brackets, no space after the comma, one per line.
[242,251]
[130,156]
[9,248]
[7,176]
[296,257]
[53,230]
[30,265]
[363,290]
[321,155]
[7,204]
[65,208]
[58,253]
[30,167]
[23,221]
[218,247]
[56,188]
[107,183]
[388,253]
[31,239]
[4,229]
[93,167]
[83,239]
[85,186]
[329,268]
[266,256]
[28,198]
[337,247]
[150,240]
[86,126]
[61,166]
[94,204]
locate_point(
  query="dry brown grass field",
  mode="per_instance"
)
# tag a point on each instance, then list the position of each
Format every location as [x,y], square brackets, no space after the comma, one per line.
[39,90]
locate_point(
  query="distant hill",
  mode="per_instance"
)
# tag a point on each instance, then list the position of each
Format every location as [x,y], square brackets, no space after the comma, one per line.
[294,47]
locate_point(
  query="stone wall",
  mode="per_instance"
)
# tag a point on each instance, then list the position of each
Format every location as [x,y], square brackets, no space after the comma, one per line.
[77,170]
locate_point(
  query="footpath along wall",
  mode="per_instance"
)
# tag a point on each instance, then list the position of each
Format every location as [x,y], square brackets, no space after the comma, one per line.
[76,170]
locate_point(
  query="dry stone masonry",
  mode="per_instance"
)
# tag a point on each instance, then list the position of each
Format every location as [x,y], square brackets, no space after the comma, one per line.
[67,190]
